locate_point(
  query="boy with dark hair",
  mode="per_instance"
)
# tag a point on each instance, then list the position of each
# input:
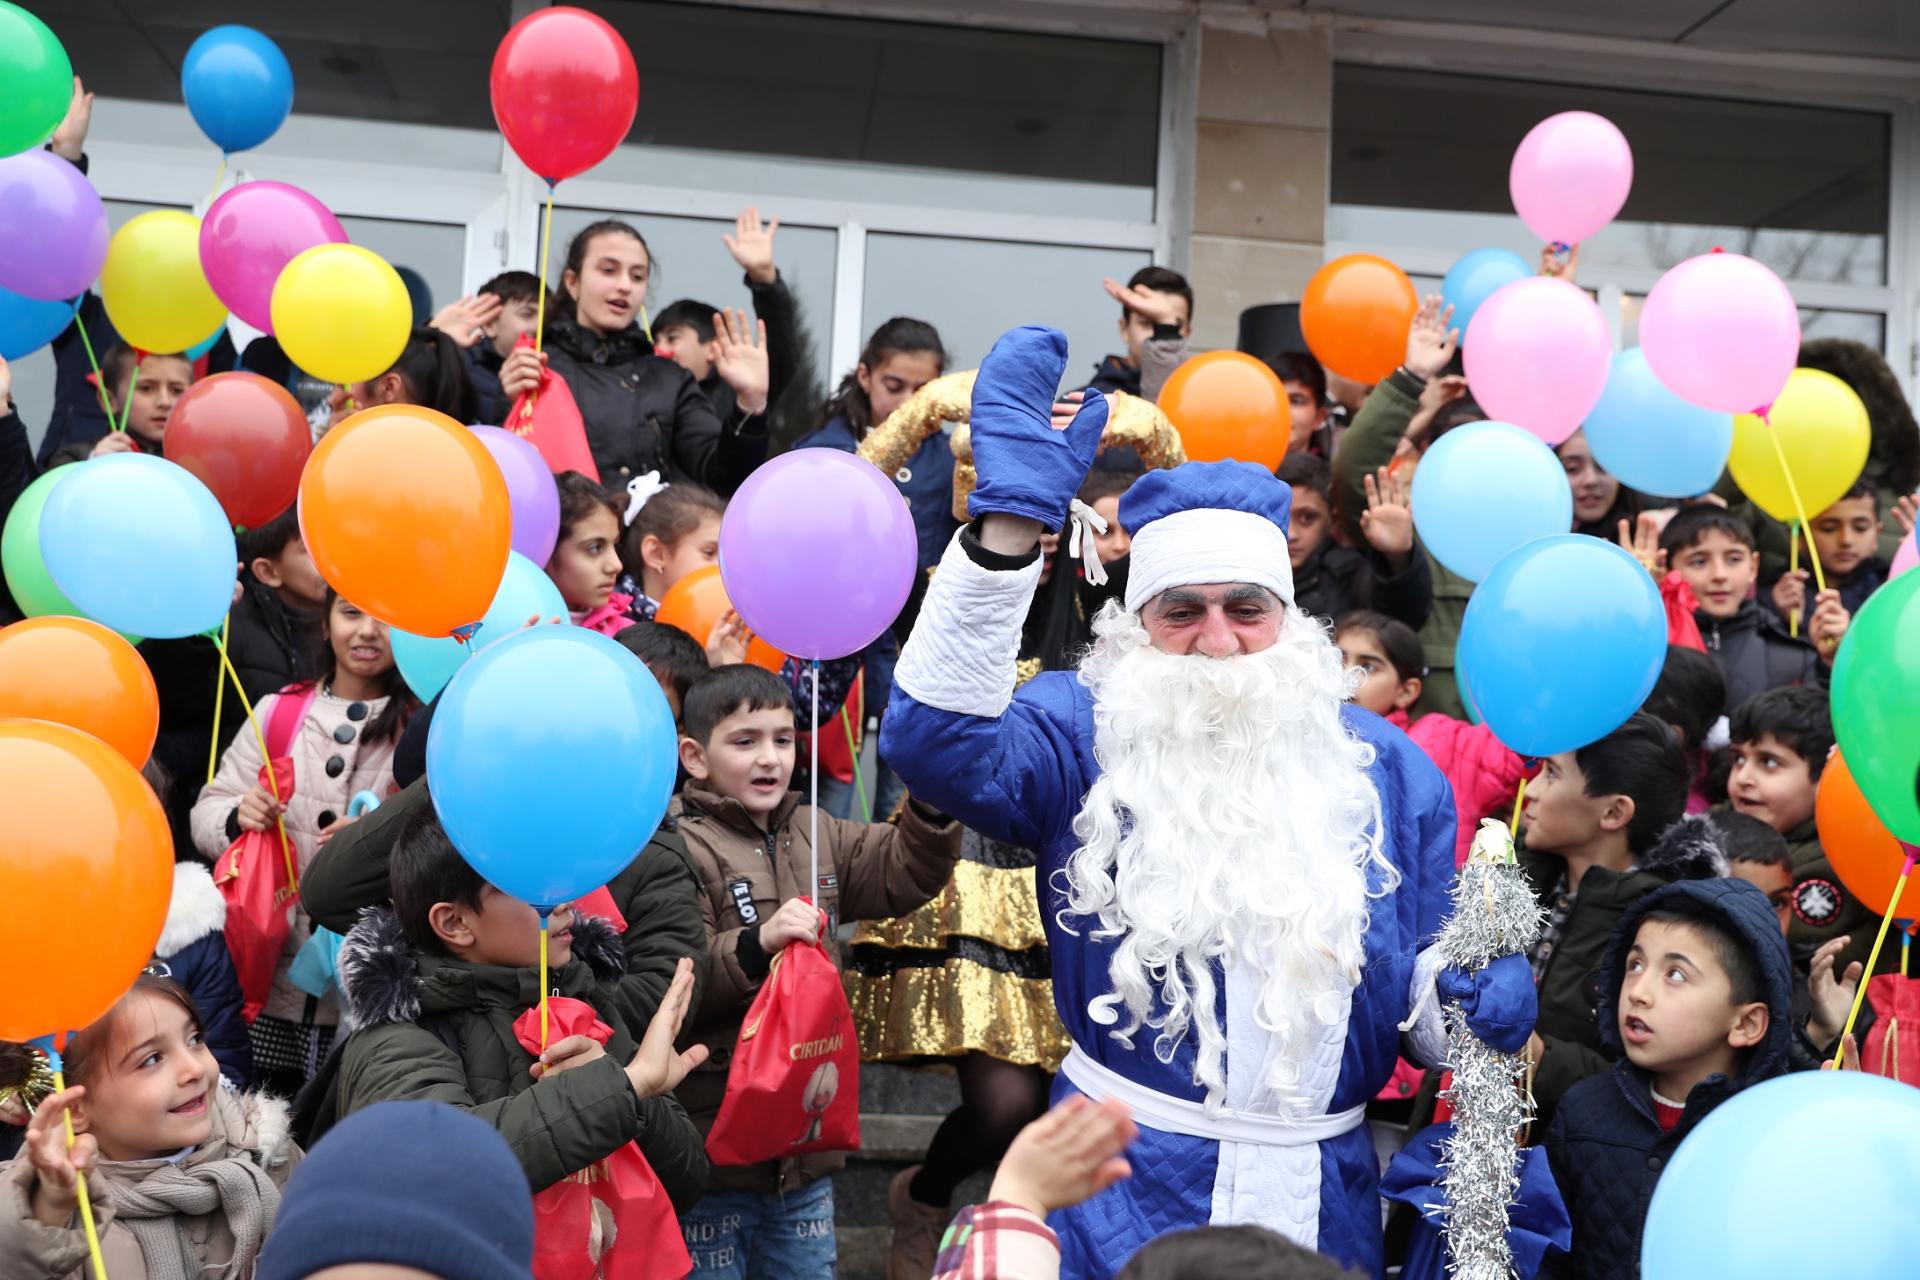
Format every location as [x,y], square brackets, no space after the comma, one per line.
[1713,552]
[519,295]
[433,985]
[675,658]
[1603,828]
[1846,536]
[1306,386]
[1758,854]
[1389,574]
[1696,992]
[1156,318]
[748,838]
[275,628]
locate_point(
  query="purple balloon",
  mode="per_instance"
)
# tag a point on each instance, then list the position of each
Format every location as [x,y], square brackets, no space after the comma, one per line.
[817,552]
[534,497]
[250,233]
[53,226]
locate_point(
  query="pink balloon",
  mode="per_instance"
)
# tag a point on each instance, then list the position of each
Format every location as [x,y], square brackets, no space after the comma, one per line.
[1904,559]
[1570,175]
[531,491]
[1722,332]
[817,552]
[1537,355]
[253,231]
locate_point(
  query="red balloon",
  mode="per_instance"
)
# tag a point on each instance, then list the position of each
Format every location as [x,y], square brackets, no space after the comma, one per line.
[246,439]
[564,90]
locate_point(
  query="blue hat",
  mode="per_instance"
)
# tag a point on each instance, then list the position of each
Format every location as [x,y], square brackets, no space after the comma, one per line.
[410,1184]
[1204,523]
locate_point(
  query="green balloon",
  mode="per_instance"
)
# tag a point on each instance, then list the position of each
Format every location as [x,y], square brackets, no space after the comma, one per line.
[34,589]
[38,80]
[1876,703]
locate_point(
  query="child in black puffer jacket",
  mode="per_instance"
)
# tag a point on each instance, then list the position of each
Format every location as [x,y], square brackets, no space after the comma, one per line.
[1697,991]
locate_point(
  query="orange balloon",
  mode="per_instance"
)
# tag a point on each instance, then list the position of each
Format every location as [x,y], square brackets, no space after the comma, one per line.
[86,872]
[76,672]
[406,514]
[1355,316]
[1226,404]
[697,602]
[1864,854]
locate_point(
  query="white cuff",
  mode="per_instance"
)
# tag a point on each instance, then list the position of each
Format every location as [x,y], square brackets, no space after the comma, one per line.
[961,654]
[1425,1029]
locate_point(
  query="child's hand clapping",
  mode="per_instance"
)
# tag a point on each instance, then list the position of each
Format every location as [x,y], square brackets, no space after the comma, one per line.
[656,1068]
[797,920]
[1641,540]
[56,1169]
[1068,1155]
[257,810]
[1830,995]
[1388,520]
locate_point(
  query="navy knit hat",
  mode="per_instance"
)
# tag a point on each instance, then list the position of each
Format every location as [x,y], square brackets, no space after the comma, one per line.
[410,1184]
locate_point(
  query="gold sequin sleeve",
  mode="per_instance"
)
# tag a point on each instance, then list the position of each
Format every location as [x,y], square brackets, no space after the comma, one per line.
[948,398]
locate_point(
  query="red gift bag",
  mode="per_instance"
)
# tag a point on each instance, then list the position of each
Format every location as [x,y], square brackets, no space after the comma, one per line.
[794,1085]
[612,1219]
[255,875]
[551,420]
[1893,1041]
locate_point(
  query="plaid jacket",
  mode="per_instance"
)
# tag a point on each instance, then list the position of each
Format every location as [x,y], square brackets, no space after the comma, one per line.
[998,1241]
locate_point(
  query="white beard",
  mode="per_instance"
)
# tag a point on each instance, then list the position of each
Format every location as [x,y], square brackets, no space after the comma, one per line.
[1232,823]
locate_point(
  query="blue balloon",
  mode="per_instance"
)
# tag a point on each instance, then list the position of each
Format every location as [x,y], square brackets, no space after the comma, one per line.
[237,85]
[140,545]
[27,324]
[206,344]
[1842,1146]
[1484,489]
[525,591]
[1561,643]
[551,760]
[1472,280]
[1652,439]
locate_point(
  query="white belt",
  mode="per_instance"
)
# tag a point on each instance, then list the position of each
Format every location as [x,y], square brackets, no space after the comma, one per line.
[1177,1115]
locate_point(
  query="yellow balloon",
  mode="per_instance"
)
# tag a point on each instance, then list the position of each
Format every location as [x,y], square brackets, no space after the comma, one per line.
[155,292]
[341,313]
[1822,429]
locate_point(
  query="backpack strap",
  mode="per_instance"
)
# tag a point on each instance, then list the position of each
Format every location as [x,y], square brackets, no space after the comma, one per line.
[289,712]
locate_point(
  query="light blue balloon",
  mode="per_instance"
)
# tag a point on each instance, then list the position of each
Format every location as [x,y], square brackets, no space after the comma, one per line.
[206,344]
[1472,280]
[28,324]
[525,591]
[1484,489]
[551,760]
[1650,438]
[237,85]
[140,545]
[1843,1145]
[1561,643]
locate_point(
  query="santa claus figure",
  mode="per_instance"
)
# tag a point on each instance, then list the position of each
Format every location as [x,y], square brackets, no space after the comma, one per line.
[1238,869]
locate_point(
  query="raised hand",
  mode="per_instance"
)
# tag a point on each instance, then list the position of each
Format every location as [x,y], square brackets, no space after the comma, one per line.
[1552,264]
[656,1068]
[1641,540]
[742,363]
[751,245]
[466,320]
[57,1167]
[1029,469]
[1069,1155]
[69,141]
[727,642]
[1154,308]
[1906,513]
[1387,523]
[1430,342]
[1830,994]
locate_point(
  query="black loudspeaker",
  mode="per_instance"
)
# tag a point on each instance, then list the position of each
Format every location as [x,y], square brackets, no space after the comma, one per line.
[1269,329]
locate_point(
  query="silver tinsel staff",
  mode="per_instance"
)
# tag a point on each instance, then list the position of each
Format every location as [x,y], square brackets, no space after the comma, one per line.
[1494,914]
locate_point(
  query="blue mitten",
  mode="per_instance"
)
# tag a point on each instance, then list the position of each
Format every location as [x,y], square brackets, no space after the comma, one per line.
[1026,467]
[1499,1000]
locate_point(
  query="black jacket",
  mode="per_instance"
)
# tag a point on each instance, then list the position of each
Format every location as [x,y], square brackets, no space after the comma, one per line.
[17,471]
[1756,654]
[1335,579]
[1605,1145]
[658,894]
[483,371]
[1569,985]
[270,645]
[644,413]
[1115,374]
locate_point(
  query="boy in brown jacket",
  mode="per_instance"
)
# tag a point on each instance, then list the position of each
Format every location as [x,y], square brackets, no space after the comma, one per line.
[747,836]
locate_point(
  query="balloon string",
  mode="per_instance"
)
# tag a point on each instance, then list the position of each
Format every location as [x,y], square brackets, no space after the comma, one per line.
[813,810]
[540,313]
[1873,957]
[80,1177]
[279,819]
[543,981]
[1793,566]
[126,410]
[1519,800]
[853,751]
[220,173]
[219,695]
[1793,491]
[99,379]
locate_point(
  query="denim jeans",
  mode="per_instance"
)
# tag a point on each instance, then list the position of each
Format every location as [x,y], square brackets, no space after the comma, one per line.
[764,1235]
